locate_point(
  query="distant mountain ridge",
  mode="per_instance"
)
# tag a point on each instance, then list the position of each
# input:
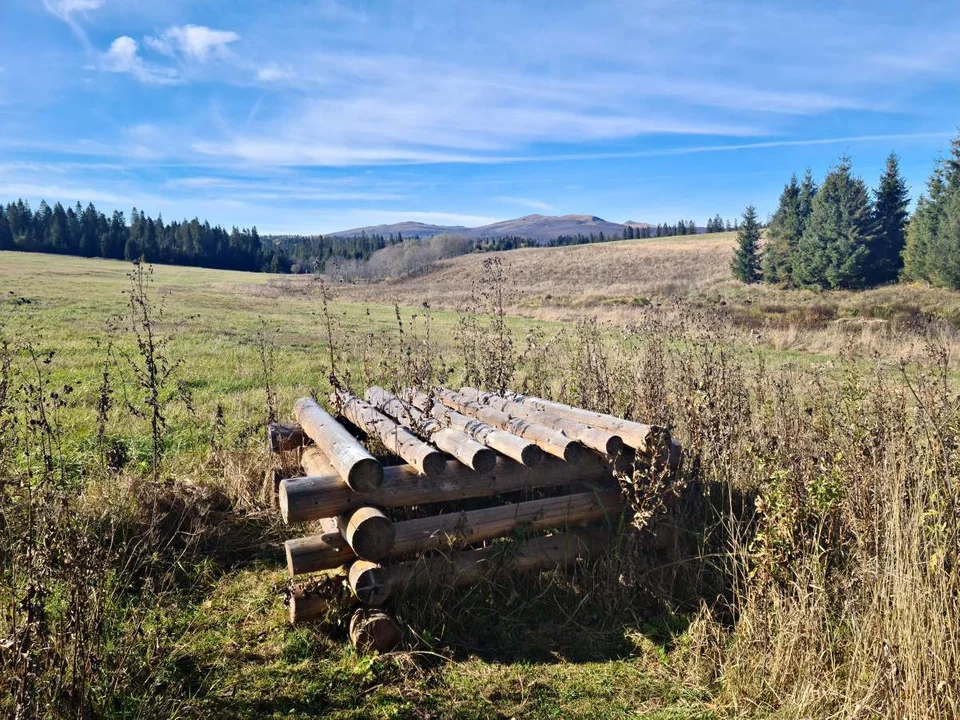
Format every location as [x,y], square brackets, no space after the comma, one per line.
[541,228]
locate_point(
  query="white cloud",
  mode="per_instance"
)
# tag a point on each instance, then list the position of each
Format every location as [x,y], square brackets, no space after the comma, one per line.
[124,57]
[66,9]
[196,42]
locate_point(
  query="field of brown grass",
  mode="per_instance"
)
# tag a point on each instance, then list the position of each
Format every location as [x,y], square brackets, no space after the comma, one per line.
[674,280]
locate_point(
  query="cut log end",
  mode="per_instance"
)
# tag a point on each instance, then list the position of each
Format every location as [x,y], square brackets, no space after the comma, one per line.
[369,582]
[484,461]
[572,452]
[434,463]
[373,630]
[366,475]
[306,605]
[531,456]
[370,533]
[614,445]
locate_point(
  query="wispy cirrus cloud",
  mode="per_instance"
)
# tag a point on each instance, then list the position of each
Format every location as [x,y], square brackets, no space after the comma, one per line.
[66,10]
[193,42]
[527,203]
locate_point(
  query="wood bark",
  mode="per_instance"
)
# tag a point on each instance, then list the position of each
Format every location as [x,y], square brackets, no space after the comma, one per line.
[472,566]
[550,440]
[358,468]
[464,448]
[396,438]
[603,441]
[314,497]
[639,436]
[523,451]
[325,551]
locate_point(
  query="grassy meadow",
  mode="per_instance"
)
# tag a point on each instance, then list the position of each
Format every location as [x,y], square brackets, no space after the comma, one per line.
[807,566]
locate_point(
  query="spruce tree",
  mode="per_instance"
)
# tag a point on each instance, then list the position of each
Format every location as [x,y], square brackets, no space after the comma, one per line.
[834,250]
[746,258]
[6,235]
[783,235]
[890,208]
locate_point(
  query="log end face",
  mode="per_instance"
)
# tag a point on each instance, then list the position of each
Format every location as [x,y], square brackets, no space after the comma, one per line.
[372,630]
[484,460]
[366,475]
[373,537]
[572,452]
[531,456]
[614,445]
[434,463]
[370,582]
[283,501]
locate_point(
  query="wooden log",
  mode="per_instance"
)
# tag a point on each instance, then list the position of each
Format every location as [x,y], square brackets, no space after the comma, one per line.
[358,468]
[396,438]
[639,436]
[368,532]
[369,582]
[523,451]
[603,441]
[314,497]
[306,604]
[464,448]
[285,436]
[373,630]
[549,440]
[471,566]
[322,552]
[314,462]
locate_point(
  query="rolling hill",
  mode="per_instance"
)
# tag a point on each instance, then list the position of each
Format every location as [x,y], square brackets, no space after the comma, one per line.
[540,228]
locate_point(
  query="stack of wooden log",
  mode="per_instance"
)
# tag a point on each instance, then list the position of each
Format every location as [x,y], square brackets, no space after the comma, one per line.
[395,527]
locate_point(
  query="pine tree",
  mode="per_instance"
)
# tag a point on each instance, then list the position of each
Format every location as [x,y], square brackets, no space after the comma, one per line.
[746,258]
[890,208]
[834,250]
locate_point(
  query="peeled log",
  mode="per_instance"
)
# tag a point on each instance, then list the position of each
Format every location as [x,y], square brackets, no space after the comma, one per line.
[523,451]
[285,436]
[464,448]
[637,435]
[603,441]
[368,532]
[373,630]
[550,440]
[323,551]
[358,468]
[472,566]
[396,438]
[311,498]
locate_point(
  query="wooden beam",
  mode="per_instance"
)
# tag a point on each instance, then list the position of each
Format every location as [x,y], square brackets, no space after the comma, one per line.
[639,436]
[472,566]
[326,550]
[454,442]
[603,441]
[314,497]
[357,467]
[550,440]
[396,438]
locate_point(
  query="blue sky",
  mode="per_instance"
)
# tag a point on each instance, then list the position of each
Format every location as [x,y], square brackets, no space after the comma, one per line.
[317,116]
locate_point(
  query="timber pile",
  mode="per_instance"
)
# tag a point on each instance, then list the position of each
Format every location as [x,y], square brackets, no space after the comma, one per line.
[406,526]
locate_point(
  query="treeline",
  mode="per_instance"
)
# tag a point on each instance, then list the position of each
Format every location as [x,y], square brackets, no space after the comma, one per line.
[89,233]
[838,235]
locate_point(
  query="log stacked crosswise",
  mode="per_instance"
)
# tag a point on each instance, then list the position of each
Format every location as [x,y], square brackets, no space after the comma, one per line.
[522,464]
